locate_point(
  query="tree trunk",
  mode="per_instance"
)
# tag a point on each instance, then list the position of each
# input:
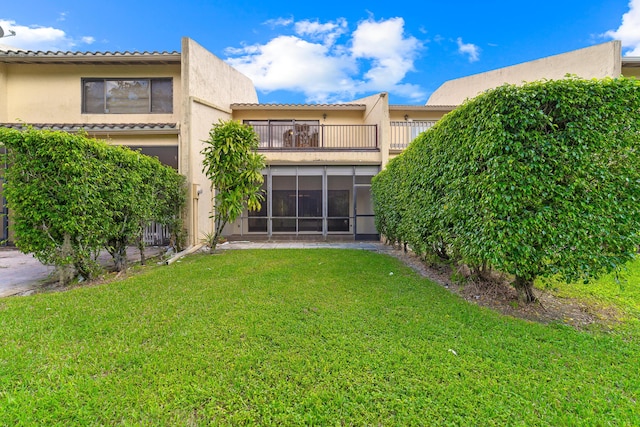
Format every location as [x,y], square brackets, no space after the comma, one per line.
[66,271]
[118,250]
[141,247]
[525,289]
[220,223]
[120,259]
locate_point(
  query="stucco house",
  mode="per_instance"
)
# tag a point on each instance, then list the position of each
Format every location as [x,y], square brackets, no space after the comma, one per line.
[599,61]
[320,157]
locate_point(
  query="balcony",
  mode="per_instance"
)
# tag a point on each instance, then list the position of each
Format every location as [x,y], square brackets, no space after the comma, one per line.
[402,133]
[305,136]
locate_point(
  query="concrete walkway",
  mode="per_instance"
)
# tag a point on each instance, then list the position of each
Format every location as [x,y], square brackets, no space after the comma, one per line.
[23,273]
[20,273]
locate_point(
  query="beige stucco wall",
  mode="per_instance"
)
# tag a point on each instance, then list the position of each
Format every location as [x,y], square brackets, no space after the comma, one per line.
[377,113]
[417,115]
[209,86]
[322,157]
[602,60]
[43,93]
[334,117]
[52,94]
[3,92]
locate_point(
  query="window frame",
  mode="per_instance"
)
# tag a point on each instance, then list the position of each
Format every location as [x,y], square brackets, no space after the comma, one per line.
[150,83]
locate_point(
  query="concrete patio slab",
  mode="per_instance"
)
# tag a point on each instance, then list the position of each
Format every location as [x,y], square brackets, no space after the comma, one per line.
[21,273]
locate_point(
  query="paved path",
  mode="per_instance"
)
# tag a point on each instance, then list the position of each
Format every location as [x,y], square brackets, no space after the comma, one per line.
[20,273]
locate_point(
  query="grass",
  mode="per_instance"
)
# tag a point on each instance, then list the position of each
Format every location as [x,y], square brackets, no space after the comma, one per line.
[615,292]
[300,337]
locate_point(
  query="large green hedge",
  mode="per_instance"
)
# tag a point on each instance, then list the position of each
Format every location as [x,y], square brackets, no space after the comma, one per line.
[70,196]
[533,180]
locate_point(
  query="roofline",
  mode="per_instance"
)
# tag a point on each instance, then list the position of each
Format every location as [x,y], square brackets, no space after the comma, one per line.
[307,107]
[397,107]
[50,57]
[102,128]
[631,61]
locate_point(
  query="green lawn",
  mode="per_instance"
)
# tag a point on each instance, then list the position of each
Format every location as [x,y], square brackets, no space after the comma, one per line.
[620,292]
[300,337]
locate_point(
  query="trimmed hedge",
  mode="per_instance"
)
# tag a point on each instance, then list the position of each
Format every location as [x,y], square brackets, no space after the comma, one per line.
[70,196]
[533,180]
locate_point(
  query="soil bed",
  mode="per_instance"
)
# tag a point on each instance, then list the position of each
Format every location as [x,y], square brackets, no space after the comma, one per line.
[497,294]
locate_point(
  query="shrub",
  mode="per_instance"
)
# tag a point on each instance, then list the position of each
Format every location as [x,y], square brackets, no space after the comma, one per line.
[71,195]
[533,180]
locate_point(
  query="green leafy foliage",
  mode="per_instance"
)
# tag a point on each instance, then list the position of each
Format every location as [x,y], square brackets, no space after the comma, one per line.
[536,180]
[70,196]
[170,198]
[235,170]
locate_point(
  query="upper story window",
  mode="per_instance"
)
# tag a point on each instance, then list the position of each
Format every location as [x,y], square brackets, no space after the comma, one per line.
[127,96]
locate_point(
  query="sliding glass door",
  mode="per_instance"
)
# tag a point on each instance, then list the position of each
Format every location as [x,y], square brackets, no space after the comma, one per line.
[312,201]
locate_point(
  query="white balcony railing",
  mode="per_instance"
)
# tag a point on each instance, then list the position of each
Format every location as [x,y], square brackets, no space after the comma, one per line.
[402,133]
[322,137]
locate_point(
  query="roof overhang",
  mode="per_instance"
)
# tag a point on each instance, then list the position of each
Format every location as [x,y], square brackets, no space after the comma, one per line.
[102,128]
[631,61]
[299,107]
[114,58]
[423,108]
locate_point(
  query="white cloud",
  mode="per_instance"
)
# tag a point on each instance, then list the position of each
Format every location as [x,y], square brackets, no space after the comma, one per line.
[468,49]
[375,57]
[629,30]
[328,33]
[290,63]
[279,22]
[390,52]
[40,38]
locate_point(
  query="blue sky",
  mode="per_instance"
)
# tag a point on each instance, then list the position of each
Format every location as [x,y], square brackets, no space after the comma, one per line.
[332,51]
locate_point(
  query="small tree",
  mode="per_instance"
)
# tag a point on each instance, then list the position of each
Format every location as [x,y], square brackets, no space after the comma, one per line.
[234,168]
[52,192]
